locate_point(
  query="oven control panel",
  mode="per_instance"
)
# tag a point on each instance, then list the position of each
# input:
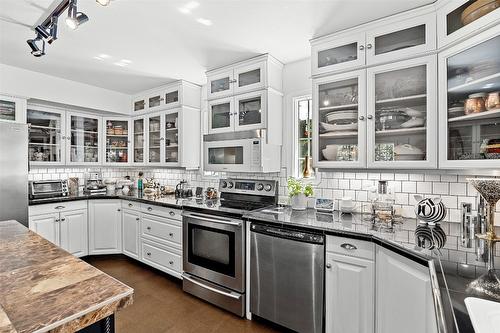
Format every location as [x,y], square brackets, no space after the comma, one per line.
[249,186]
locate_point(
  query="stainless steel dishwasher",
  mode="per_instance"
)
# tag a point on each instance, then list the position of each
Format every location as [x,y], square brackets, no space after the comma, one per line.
[286,277]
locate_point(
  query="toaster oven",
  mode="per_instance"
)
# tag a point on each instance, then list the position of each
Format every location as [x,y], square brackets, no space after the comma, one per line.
[43,189]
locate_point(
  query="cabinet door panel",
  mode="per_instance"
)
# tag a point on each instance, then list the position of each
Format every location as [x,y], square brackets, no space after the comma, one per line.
[105,226]
[84,137]
[47,226]
[220,85]
[12,109]
[250,111]
[349,287]
[46,136]
[117,141]
[221,115]
[403,288]
[155,138]
[74,233]
[131,222]
[139,142]
[250,77]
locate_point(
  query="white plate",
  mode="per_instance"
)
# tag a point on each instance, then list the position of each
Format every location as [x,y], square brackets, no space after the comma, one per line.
[335,127]
[414,122]
[341,115]
[484,314]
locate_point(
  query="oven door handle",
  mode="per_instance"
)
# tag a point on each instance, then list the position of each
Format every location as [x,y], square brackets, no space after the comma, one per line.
[184,276]
[211,219]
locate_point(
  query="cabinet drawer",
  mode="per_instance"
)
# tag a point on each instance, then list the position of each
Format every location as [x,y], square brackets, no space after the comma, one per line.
[131,205]
[57,207]
[171,213]
[161,229]
[350,247]
[157,256]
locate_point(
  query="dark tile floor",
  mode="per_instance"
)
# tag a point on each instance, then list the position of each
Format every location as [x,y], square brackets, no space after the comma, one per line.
[160,305]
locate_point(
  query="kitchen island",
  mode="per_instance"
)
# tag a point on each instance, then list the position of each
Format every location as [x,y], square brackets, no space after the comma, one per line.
[45,289]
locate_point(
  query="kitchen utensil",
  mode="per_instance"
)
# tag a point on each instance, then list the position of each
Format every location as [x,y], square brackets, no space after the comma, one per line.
[211,193]
[478,9]
[475,103]
[493,100]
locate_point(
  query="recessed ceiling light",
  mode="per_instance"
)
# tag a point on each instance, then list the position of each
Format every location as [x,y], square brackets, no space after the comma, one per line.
[187,8]
[104,56]
[121,64]
[204,21]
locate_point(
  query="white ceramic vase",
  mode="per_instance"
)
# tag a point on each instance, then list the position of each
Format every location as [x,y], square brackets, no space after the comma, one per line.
[299,201]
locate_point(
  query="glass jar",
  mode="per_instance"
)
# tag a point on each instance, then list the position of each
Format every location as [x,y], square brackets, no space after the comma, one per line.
[475,103]
[493,100]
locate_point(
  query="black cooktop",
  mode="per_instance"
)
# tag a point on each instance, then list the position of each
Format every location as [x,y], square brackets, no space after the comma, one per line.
[223,206]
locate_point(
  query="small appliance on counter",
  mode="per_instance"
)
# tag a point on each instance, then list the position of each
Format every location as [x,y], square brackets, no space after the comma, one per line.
[94,184]
[182,191]
[44,189]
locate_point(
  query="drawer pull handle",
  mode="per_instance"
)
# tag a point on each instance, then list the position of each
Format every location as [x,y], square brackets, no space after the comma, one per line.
[148,253]
[149,228]
[59,207]
[348,246]
[150,209]
[171,262]
[130,205]
[171,234]
[171,213]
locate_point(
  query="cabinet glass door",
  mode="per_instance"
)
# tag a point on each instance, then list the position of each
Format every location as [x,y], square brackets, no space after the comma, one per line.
[401,111]
[117,142]
[140,105]
[154,101]
[172,138]
[220,113]
[154,140]
[220,84]
[7,110]
[84,138]
[139,141]
[172,98]
[339,121]
[45,140]
[473,104]
[250,77]
[250,111]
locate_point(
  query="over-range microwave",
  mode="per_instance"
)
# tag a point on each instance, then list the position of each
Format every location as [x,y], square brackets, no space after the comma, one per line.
[250,154]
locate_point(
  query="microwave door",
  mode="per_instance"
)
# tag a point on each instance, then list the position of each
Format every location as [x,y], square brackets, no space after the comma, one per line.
[232,155]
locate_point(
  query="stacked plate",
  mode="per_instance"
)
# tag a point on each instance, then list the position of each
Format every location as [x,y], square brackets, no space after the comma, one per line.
[456,111]
[338,121]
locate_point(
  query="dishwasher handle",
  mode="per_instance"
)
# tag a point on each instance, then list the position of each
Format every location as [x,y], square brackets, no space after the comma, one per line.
[288,233]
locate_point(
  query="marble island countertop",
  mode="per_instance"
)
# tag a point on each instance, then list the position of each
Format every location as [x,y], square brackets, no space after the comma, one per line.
[45,289]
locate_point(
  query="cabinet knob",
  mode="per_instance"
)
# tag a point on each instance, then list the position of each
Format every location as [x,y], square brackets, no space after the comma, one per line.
[369,116]
[361,47]
[63,137]
[119,210]
[149,228]
[130,205]
[369,46]
[171,234]
[161,139]
[171,262]
[328,266]
[57,220]
[348,246]
[59,207]
[63,219]
[361,118]
[171,213]
[150,209]
[137,219]
[148,254]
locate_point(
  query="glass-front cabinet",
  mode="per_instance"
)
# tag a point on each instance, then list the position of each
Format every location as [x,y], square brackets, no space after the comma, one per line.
[45,138]
[84,137]
[250,77]
[401,114]
[338,52]
[220,115]
[12,109]
[339,120]
[462,18]
[470,102]
[139,142]
[250,111]
[116,134]
[220,84]
[171,125]
[155,138]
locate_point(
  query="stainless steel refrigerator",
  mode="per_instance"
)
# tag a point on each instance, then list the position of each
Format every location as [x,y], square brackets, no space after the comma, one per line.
[14,172]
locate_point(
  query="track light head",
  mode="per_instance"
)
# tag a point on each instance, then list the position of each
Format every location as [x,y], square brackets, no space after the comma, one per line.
[50,34]
[35,50]
[103,2]
[75,18]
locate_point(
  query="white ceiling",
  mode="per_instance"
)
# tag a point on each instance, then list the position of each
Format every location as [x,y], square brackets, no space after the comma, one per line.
[164,44]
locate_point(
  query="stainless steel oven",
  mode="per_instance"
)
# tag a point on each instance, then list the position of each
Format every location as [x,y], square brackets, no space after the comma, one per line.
[214,259]
[48,189]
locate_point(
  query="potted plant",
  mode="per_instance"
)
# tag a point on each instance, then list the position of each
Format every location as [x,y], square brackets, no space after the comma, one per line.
[298,193]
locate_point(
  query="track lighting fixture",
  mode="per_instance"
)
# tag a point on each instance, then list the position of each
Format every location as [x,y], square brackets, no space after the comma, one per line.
[75,18]
[50,34]
[35,50]
[103,2]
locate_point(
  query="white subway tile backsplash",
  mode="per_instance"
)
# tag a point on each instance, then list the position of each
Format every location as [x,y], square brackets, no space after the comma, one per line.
[424,187]
[401,176]
[432,178]
[440,188]
[458,189]
[409,187]
[417,177]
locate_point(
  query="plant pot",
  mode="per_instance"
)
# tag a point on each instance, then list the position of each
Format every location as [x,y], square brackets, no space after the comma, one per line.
[299,202]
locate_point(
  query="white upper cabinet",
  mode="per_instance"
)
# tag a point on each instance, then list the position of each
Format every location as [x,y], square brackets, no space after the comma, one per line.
[399,40]
[12,109]
[402,114]
[339,121]
[469,104]
[221,115]
[117,140]
[84,134]
[459,19]
[46,138]
[337,53]
[398,37]
[139,141]
[176,94]
[254,74]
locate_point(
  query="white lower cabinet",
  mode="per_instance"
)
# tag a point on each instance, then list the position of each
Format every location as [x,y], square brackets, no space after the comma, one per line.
[349,285]
[105,226]
[46,225]
[130,233]
[162,257]
[404,300]
[73,232]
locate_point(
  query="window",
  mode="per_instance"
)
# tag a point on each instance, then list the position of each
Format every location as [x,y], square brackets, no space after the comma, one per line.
[303,112]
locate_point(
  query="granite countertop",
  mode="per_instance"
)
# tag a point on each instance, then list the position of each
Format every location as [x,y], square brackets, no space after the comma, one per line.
[159,200]
[44,288]
[458,276]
